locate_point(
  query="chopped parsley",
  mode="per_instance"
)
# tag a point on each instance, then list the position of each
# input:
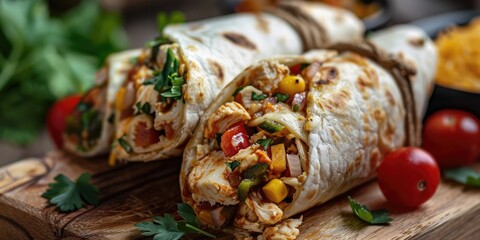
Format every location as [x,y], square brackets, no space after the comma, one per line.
[168,82]
[145,108]
[258,97]
[69,196]
[233,165]
[281,97]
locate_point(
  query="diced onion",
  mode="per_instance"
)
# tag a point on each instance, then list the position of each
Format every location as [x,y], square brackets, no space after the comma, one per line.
[294,165]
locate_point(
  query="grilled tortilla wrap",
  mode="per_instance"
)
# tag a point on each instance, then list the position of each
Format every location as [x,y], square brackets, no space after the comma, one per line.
[90,129]
[205,56]
[290,133]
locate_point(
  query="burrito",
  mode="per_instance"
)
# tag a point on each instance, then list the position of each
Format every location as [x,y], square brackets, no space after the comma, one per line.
[292,132]
[176,79]
[89,129]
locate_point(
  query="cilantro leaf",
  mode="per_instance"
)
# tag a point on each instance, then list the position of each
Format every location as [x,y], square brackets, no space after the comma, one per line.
[166,228]
[373,217]
[281,97]
[264,142]
[233,165]
[69,196]
[258,97]
[464,175]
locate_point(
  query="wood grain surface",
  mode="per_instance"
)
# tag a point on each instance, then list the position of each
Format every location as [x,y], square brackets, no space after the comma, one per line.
[135,192]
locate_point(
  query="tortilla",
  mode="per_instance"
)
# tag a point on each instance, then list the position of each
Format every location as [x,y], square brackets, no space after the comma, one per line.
[210,53]
[354,114]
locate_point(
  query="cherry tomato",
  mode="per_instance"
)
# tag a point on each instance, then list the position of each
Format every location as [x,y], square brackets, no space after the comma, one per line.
[57,116]
[234,139]
[452,137]
[408,176]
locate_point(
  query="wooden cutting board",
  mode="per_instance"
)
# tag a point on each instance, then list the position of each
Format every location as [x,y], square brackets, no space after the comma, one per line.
[133,193]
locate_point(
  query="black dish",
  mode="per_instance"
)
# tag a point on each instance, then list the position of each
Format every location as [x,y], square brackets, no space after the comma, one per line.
[444,97]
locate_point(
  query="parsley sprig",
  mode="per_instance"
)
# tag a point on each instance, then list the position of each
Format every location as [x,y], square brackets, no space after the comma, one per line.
[373,217]
[464,175]
[166,228]
[69,196]
[168,82]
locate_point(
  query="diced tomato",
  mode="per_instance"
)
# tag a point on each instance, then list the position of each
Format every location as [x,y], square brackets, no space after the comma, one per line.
[234,139]
[146,136]
[239,98]
[295,69]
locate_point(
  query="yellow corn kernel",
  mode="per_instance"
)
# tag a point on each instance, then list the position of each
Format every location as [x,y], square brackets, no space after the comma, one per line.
[279,158]
[275,190]
[119,98]
[291,85]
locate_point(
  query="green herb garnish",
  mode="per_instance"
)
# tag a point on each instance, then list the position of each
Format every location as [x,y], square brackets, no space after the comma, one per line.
[264,142]
[373,217]
[281,97]
[145,108]
[168,82]
[233,165]
[464,175]
[258,97]
[69,196]
[166,228]
[239,89]
[124,144]
[45,56]
[296,107]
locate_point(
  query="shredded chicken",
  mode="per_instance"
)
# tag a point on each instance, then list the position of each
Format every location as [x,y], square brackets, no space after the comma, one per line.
[268,75]
[208,181]
[267,212]
[247,157]
[252,106]
[254,213]
[225,116]
[285,230]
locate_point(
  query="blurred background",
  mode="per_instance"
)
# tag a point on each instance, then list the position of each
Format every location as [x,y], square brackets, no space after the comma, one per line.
[52,48]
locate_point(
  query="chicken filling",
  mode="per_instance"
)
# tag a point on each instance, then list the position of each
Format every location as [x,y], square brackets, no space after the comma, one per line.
[253,150]
[151,99]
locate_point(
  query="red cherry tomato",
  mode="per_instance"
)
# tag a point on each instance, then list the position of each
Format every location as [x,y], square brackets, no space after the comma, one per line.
[452,137]
[234,139]
[408,176]
[57,116]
